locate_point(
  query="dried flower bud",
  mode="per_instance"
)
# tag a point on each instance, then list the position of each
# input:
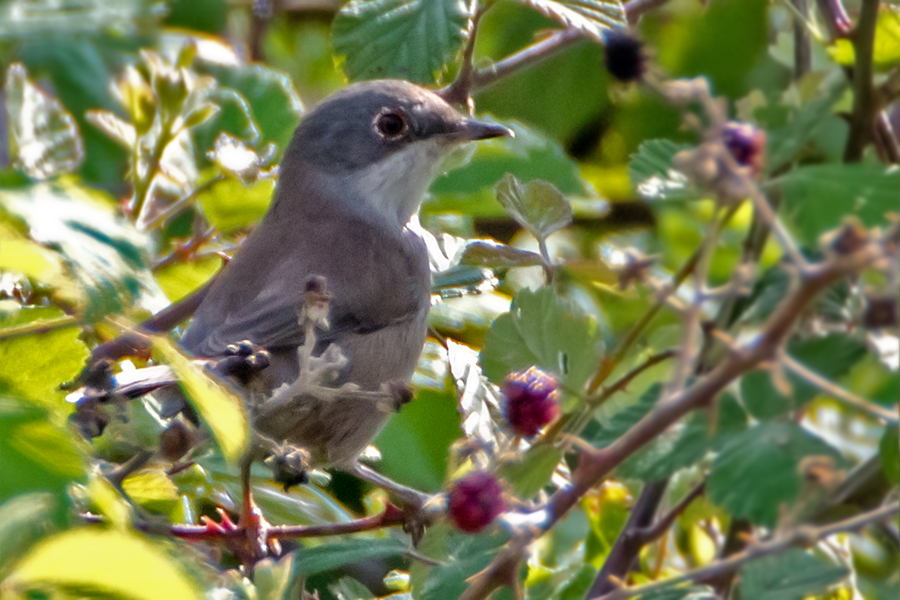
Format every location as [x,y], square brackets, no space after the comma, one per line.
[747,145]
[851,237]
[475,501]
[175,441]
[623,56]
[531,401]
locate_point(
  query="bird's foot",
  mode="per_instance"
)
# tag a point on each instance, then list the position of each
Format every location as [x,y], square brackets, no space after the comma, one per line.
[420,509]
[242,361]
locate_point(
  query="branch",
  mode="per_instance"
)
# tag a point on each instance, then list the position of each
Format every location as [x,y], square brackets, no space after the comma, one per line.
[636,535]
[862,118]
[471,81]
[804,537]
[597,464]
[37,327]
[836,391]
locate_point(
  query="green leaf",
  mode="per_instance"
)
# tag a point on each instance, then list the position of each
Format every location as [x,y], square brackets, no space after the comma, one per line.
[697,592]
[416,442]
[44,139]
[529,155]
[36,454]
[885,50]
[591,17]
[405,39]
[97,562]
[180,279]
[831,357]
[788,130]
[463,556]
[889,453]
[494,255]
[818,197]
[275,105]
[546,330]
[152,489]
[757,471]
[221,407]
[537,206]
[793,575]
[310,561]
[529,475]
[229,204]
[33,366]
[106,255]
[23,519]
[652,174]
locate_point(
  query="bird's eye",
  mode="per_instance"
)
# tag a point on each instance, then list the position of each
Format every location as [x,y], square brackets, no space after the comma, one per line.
[391,125]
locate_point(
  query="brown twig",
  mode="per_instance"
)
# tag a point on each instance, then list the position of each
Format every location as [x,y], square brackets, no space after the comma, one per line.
[594,465]
[638,532]
[803,536]
[38,327]
[862,118]
[837,392]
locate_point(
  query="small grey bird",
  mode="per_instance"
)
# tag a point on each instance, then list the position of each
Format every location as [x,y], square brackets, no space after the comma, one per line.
[352,177]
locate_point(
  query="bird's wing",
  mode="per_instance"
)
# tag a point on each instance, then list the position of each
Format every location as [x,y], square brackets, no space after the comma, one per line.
[375,283]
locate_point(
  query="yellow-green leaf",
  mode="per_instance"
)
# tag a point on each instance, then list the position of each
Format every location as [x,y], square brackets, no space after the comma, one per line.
[886,49]
[179,280]
[218,404]
[151,487]
[94,562]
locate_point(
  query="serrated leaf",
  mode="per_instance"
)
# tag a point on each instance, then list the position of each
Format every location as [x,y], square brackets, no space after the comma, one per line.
[532,473]
[494,255]
[406,39]
[44,137]
[529,155]
[108,562]
[784,140]
[757,471]
[465,555]
[276,107]
[151,488]
[818,197]
[652,174]
[537,205]
[221,407]
[337,554]
[591,17]
[793,575]
[105,254]
[831,357]
[546,330]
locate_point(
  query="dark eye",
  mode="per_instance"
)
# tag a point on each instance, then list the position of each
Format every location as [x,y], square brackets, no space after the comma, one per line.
[391,125]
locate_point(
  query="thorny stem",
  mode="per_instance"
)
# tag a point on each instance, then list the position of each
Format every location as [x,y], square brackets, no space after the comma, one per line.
[837,392]
[597,464]
[803,536]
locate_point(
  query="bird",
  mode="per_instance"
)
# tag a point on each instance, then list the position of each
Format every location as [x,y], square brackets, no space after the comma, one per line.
[351,181]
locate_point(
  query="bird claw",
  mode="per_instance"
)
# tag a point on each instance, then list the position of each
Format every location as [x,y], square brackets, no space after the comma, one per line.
[243,361]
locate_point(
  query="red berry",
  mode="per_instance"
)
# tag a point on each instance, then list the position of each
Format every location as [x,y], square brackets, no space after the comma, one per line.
[531,401]
[746,143]
[475,501]
[623,56]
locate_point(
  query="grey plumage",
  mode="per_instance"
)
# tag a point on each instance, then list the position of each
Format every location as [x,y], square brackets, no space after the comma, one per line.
[353,175]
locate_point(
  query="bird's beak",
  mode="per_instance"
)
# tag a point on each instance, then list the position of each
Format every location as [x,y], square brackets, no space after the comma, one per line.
[469,130]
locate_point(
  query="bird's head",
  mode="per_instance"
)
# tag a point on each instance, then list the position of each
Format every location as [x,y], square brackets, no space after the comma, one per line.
[381,142]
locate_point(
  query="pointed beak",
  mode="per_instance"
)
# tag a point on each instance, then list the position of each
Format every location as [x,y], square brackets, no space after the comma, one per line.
[469,130]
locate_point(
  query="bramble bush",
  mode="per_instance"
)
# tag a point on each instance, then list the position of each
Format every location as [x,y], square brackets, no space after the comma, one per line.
[663,351]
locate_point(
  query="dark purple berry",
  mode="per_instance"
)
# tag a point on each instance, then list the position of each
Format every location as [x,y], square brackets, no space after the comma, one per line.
[475,501]
[747,145]
[175,441]
[623,56]
[531,401]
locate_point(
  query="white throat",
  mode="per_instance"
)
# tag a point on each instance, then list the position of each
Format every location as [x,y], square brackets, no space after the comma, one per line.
[396,186]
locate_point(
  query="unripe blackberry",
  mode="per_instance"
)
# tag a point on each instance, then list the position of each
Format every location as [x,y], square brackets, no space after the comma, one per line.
[531,401]
[475,501]
[623,56]
[746,143]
